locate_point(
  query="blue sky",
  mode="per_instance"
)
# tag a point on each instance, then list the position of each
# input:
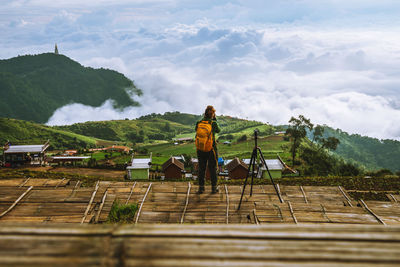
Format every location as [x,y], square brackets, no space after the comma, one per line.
[336,62]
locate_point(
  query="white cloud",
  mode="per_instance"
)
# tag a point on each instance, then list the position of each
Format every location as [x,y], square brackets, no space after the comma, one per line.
[337,63]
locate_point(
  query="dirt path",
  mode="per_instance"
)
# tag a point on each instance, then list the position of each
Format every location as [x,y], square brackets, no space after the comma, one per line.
[91,172]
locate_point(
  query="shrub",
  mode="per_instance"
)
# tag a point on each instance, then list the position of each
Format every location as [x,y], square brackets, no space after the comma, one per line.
[242,138]
[122,213]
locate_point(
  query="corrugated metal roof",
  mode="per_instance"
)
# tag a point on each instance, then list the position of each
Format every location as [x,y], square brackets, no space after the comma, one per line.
[140,164]
[274,164]
[25,149]
[246,161]
[72,157]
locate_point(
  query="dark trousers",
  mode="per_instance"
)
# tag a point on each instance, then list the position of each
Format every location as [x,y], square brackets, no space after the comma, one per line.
[210,158]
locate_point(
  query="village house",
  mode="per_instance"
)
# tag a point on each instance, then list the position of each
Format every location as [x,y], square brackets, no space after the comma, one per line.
[70,152]
[237,169]
[121,149]
[183,140]
[17,155]
[139,168]
[173,168]
[276,168]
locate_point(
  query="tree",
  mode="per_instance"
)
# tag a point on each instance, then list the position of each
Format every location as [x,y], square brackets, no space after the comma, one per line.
[242,138]
[297,131]
[330,143]
[167,127]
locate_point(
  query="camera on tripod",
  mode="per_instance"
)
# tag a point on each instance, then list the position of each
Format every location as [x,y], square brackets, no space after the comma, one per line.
[252,167]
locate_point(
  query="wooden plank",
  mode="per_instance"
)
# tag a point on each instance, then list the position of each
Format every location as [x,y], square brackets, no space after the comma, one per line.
[101,206]
[90,202]
[141,204]
[291,212]
[345,196]
[25,182]
[186,203]
[253,217]
[279,193]
[16,201]
[77,185]
[130,194]
[304,194]
[227,204]
[372,213]
[199,245]
[60,182]
[393,198]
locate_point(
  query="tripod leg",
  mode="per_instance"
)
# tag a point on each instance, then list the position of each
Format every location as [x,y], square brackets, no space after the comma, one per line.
[252,165]
[247,176]
[270,176]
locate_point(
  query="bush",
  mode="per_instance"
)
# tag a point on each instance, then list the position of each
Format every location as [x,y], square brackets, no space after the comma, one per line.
[121,213]
[242,138]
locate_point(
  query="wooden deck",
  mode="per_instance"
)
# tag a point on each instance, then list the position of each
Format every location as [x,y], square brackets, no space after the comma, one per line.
[199,245]
[64,201]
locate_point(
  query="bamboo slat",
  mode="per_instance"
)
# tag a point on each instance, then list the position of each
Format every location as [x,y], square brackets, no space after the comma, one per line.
[371,212]
[141,204]
[90,202]
[101,207]
[16,201]
[130,194]
[186,203]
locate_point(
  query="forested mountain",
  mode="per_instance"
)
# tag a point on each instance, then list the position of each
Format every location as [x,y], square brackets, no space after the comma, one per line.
[371,152]
[32,87]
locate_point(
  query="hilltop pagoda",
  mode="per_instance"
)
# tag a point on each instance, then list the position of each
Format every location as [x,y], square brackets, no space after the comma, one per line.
[56,49]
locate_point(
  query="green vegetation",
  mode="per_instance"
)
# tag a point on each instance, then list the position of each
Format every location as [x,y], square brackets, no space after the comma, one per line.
[129,131]
[122,213]
[32,87]
[24,132]
[372,153]
[314,156]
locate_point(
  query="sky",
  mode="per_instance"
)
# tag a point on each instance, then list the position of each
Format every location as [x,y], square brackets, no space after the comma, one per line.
[336,62]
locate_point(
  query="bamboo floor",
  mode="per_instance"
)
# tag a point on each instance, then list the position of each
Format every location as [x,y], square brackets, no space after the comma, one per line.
[199,245]
[64,201]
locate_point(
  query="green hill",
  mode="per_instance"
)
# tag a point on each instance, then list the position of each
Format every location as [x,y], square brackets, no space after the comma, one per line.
[163,127]
[371,152]
[136,131]
[32,87]
[155,132]
[24,132]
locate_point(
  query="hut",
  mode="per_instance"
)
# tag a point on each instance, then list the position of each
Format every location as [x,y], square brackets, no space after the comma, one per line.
[61,160]
[17,155]
[236,169]
[139,169]
[173,168]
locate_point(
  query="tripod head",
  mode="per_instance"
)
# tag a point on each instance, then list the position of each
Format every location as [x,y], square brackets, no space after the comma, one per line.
[256,131]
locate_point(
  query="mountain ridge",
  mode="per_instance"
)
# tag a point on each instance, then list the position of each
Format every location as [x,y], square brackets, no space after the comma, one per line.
[32,87]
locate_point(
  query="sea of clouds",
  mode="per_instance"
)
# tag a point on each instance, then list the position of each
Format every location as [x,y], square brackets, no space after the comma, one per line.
[335,62]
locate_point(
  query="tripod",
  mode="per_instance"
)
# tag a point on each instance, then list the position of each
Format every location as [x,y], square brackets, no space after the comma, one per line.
[252,166]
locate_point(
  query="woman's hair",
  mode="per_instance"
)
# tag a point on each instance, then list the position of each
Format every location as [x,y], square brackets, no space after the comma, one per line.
[209,112]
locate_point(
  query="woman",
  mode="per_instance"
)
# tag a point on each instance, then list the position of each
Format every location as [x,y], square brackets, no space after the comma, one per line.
[207,153]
